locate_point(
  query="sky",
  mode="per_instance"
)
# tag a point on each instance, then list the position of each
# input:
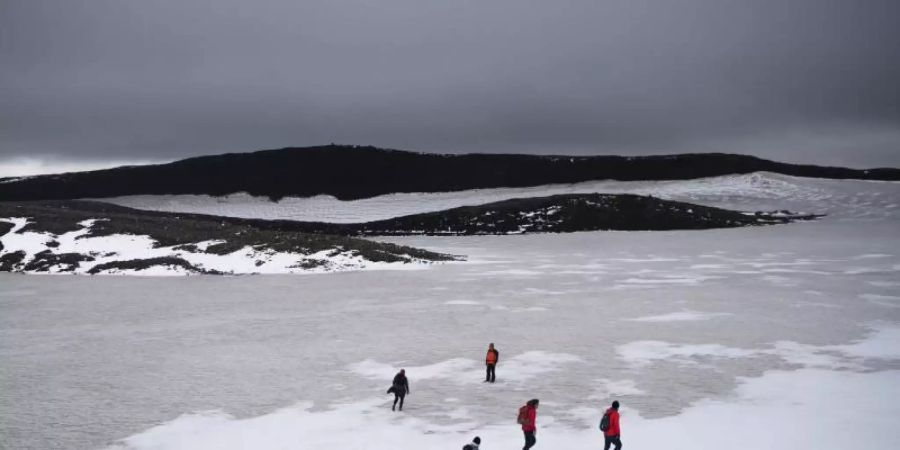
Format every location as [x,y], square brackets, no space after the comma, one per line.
[100,83]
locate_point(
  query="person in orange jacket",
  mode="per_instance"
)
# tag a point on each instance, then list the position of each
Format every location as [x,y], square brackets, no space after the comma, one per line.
[491,360]
[612,435]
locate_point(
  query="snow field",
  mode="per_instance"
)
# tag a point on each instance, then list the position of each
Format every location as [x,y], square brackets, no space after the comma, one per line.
[781,410]
[519,368]
[679,317]
[715,356]
[781,338]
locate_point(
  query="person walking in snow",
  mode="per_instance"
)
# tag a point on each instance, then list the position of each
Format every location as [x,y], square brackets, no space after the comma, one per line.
[609,424]
[528,419]
[474,445]
[491,360]
[400,387]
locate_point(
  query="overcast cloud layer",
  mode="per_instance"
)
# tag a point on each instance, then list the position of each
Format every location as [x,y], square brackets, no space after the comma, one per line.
[89,82]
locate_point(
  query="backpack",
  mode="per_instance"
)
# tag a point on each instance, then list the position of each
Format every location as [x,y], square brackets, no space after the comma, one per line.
[468,447]
[604,422]
[523,415]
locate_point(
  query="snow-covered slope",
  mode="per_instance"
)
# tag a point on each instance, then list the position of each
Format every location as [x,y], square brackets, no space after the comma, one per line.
[760,191]
[77,252]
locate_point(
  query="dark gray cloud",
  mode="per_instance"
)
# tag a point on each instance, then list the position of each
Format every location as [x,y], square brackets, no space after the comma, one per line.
[795,80]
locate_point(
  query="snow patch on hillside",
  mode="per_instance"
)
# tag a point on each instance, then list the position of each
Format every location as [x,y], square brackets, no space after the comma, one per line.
[97,251]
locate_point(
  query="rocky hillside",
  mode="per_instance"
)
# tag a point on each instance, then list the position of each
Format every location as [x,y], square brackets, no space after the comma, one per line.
[98,238]
[95,237]
[561,214]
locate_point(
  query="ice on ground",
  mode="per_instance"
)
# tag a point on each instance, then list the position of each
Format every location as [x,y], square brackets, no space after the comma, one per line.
[518,368]
[463,302]
[758,403]
[531,364]
[883,342]
[511,272]
[681,316]
[450,369]
[643,353]
[611,389]
[891,301]
[643,260]
[710,266]
[533,309]
[671,279]
[804,303]
[873,255]
[780,280]
[797,410]
[865,270]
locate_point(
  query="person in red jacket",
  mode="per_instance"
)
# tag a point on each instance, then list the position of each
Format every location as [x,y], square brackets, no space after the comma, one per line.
[491,360]
[529,423]
[613,434]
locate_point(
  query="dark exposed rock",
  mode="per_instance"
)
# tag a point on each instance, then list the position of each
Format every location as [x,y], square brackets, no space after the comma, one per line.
[5,227]
[143,264]
[563,214]
[9,262]
[349,172]
[308,264]
[67,262]
[187,247]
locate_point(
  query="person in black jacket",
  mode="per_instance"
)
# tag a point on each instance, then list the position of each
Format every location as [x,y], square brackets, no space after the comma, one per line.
[474,445]
[400,387]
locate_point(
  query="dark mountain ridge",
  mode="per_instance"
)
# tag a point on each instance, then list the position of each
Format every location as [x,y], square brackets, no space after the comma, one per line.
[351,172]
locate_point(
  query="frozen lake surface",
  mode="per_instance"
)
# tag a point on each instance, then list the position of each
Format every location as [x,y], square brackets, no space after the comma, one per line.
[782,337]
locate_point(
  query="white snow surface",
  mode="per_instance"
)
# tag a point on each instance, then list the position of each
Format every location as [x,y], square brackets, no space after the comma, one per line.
[761,191]
[679,316]
[122,247]
[789,406]
[775,338]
